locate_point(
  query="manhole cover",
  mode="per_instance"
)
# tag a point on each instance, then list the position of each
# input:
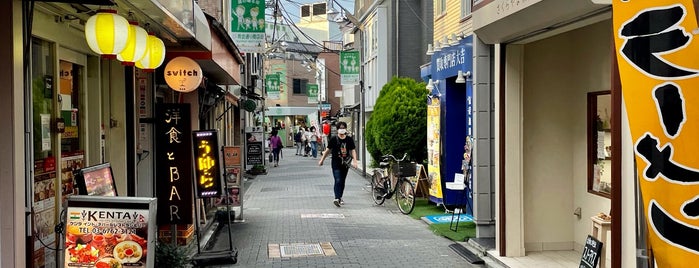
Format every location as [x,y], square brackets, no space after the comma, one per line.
[323,216]
[302,250]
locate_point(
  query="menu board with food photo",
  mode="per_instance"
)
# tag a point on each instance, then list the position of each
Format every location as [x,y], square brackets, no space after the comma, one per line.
[108,232]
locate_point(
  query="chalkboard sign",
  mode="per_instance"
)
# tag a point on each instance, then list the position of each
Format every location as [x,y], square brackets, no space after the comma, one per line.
[254,153]
[591,252]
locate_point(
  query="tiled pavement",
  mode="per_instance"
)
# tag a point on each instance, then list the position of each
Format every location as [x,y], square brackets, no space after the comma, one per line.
[367,236]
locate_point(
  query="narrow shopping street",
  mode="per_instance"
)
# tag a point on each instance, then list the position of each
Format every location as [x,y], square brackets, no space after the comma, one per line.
[293,204]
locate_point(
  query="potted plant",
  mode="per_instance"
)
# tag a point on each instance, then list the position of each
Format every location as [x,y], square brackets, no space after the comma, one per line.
[171,256]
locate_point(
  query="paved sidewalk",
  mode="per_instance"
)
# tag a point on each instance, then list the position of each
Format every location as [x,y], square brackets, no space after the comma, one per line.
[367,236]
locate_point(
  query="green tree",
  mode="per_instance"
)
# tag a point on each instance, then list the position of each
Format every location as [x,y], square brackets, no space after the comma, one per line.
[398,123]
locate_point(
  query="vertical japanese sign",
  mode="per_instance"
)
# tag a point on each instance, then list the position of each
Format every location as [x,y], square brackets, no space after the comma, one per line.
[280,69]
[434,149]
[248,25]
[657,53]
[173,163]
[349,68]
[272,86]
[312,92]
[232,163]
[207,163]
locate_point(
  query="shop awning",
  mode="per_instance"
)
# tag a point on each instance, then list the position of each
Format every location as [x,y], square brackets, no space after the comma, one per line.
[282,111]
[182,22]
[221,64]
[233,99]
[352,107]
[532,18]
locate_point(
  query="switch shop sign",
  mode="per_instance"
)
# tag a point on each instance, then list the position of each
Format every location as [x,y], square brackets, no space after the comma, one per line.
[174,163]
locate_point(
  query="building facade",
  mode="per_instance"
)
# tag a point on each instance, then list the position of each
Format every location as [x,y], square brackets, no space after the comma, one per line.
[69,108]
[388,35]
[552,61]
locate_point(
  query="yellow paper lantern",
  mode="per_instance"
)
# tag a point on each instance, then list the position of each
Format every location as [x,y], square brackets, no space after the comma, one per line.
[155,54]
[107,33]
[135,47]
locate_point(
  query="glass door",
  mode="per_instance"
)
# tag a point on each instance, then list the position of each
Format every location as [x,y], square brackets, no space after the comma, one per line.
[70,104]
[45,184]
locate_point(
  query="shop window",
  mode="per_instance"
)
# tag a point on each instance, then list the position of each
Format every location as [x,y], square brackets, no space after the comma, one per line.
[44,186]
[599,143]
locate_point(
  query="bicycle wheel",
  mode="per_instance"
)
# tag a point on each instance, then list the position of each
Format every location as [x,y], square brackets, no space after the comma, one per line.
[377,191]
[405,196]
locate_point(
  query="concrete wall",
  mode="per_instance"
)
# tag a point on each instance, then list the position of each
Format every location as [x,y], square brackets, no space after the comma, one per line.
[411,31]
[332,79]
[558,72]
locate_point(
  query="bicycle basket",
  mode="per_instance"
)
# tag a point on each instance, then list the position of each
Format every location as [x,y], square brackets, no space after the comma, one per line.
[403,169]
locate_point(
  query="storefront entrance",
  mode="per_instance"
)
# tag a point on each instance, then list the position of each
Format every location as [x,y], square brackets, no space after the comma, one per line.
[548,96]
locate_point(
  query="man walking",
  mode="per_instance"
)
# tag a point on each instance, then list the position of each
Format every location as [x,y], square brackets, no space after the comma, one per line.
[343,152]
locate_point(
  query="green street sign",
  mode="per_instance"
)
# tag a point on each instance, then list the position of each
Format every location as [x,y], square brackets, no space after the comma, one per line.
[272,86]
[312,92]
[248,25]
[350,65]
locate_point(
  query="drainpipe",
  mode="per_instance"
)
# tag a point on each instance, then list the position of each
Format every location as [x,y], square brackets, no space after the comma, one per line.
[397,41]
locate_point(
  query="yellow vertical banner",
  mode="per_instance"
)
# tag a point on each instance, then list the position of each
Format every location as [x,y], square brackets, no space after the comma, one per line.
[658,57]
[434,149]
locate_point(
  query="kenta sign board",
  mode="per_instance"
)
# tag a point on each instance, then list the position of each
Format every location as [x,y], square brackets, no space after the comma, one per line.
[591,252]
[207,165]
[173,132]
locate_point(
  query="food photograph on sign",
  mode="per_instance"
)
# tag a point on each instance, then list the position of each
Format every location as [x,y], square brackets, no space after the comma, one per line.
[106,238]
[233,176]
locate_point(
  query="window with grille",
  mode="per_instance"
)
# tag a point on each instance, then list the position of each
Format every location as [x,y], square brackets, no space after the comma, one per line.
[305,11]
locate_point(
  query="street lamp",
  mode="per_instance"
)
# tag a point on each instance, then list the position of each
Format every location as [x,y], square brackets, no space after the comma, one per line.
[363,133]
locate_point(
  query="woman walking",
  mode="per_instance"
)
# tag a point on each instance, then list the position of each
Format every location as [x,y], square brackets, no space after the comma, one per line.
[298,139]
[314,142]
[342,149]
[276,144]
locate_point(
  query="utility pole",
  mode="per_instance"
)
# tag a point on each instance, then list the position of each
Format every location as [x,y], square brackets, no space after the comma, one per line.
[362,110]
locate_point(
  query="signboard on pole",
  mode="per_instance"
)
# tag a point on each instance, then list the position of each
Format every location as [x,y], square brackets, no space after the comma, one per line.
[272,86]
[350,65]
[280,69]
[248,25]
[312,92]
[207,163]
[173,158]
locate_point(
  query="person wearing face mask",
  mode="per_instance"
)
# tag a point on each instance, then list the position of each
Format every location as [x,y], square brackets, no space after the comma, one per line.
[342,149]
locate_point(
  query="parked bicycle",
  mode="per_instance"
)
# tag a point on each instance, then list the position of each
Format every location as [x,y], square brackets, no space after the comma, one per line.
[392,178]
